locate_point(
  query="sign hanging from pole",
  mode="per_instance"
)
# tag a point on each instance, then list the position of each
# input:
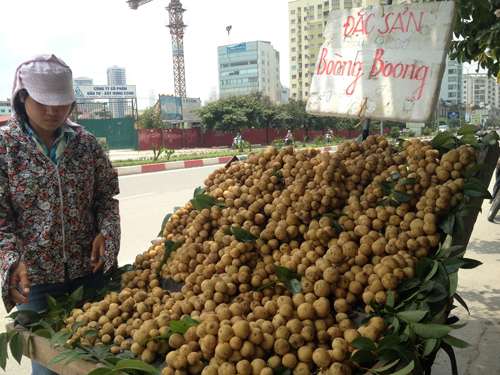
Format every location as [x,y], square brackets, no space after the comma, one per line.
[383,62]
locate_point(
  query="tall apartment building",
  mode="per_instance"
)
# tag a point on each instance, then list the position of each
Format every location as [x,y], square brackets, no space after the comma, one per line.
[117,76]
[307,20]
[249,67]
[83,81]
[480,90]
[451,85]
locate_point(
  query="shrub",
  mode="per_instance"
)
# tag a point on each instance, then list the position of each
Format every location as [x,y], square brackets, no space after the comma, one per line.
[426,131]
[320,140]
[278,143]
[395,132]
[411,133]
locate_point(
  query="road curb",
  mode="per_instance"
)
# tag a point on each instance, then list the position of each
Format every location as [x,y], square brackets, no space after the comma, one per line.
[174,165]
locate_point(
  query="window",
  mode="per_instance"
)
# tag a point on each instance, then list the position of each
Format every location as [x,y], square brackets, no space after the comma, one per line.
[307,66]
[263,53]
[263,62]
[311,18]
[293,49]
[292,11]
[305,18]
[294,40]
[268,55]
[312,45]
[312,27]
[268,63]
[452,95]
[306,93]
[264,80]
[320,26]
[312,65]
[319,45]
[294,58]
[320,16]
[292,22]
[452,79]
[294,95]
[320,36]
[312,56]
[335,2]
[320,6]
[293,31]
[268,81]
[452,71]
[311,36]
[311,7]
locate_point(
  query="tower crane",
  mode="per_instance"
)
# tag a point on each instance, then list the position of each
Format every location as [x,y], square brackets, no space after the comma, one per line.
[176,26]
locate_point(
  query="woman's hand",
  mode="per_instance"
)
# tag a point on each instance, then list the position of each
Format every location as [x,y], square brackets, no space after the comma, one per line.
[19,277]
[97,256]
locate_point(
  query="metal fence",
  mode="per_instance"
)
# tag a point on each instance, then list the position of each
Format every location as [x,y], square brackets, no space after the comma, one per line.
[113,108]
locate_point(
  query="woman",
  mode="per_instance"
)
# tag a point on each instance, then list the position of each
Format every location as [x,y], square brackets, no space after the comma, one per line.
[59,222]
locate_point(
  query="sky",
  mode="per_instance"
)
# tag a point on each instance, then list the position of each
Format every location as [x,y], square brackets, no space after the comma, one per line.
[92,35]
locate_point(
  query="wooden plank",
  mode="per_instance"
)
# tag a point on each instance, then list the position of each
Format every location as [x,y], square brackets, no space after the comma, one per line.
[41,352]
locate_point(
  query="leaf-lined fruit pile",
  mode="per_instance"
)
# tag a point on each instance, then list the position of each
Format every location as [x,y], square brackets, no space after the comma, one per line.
[277,252]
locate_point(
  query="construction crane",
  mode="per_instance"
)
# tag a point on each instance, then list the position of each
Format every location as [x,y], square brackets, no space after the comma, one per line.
[176,26]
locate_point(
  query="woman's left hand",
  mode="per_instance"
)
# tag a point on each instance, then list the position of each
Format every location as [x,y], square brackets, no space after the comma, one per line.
[97,256]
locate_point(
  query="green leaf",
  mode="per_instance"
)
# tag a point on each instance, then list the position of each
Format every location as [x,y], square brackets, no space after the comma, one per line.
[77,295]
[3,350]
[408,284]
[61,357]
[56,337]
[461,301]
[453,277]
[163,223]
[387,367]
[406,370]
[412,316]
[448,224]
[363,356]
[199,190]
[51,302]
[241,235]
[441,138]
[452,265]
[453,341]
[44,333]
[441,254]
[401,196]
[478,167]
[364,343]
[75,326]
[337,226]
[470,263]
[432,271]
[199,205]
[333,216]
[209,200]
[136,365]
[430,331]
[290,280]
[396,176]
[389,342]
[359,139]
[228,231]
[91,333]
[390,299]
[170,247]
[422,267]
[387,187]
[393,203]
[382,202]
[467,129]
[16,344]
[282,371]
[435,297]
[443,278]
[408,181]
[474,188]
[430,345]
[100,371]
[29,313]
[468,139]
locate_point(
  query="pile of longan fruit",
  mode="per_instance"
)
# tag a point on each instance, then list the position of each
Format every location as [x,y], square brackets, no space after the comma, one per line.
[314,213]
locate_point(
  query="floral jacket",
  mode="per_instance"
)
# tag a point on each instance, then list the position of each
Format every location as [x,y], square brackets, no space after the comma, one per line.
[50,214]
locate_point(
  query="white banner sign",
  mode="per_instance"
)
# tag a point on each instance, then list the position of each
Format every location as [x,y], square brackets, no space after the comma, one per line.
[189,107]
[105,92]
[383,62]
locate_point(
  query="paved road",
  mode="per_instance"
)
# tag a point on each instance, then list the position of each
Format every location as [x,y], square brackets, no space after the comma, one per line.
[146,198]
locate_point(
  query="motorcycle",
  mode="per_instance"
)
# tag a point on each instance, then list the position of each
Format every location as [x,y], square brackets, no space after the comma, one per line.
[288,141]
[328,138]
[495,202]
[237,144]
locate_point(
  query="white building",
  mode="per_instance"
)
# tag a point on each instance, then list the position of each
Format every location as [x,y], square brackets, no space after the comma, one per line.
[249,67]
[5,108]
[451,85]
[479,90]
[117,76]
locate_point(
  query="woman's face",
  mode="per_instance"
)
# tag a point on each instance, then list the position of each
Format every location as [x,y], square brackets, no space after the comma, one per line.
[45,118]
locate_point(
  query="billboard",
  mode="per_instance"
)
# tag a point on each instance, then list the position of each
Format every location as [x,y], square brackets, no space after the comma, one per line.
[383,62]
[105,91]
[189,108]
[475,118]
[171,108]
[453,115]
[237,48]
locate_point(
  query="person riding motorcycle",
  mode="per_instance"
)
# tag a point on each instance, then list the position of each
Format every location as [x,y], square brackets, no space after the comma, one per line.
[288,138]
[329,134]
[237,141]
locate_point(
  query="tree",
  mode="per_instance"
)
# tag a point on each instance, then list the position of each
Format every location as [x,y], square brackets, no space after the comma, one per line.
[268,113]
[478,34]
[150,119]
[230,114]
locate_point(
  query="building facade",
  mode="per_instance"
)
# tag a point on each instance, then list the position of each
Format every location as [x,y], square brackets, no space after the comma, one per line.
[451,85]
[306,21]
[249,67]
[117,76]
[5,107]
[479,90]
[83,81]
